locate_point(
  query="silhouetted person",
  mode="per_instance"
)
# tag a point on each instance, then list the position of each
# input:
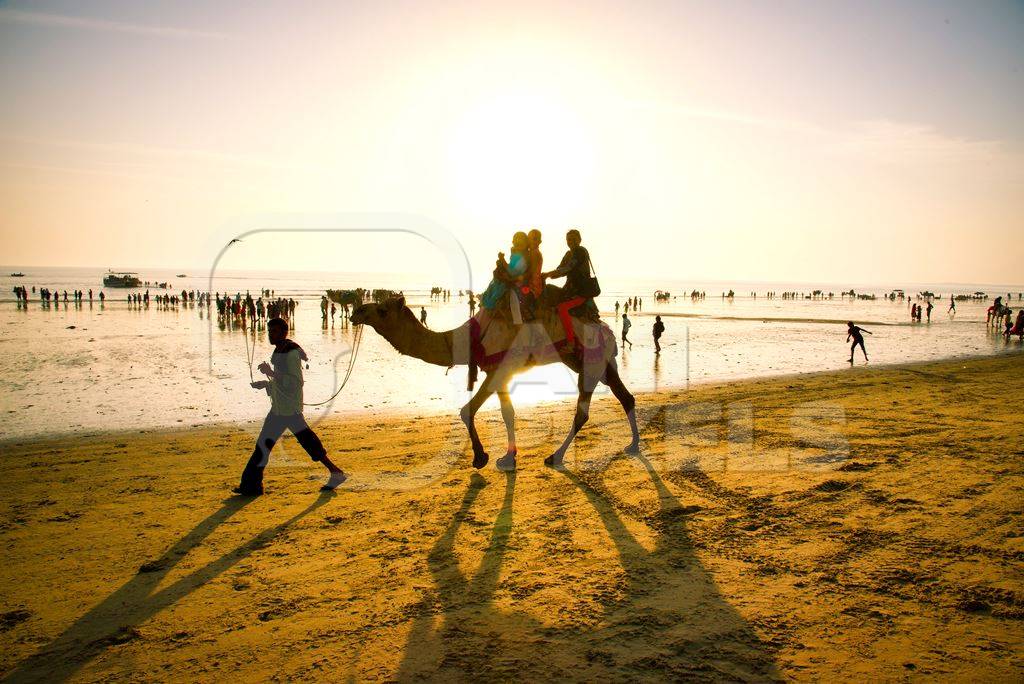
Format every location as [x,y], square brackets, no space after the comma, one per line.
[626,325]
[575,267]
[423,315]
[952,305]
[855,333]
[284,386]
[658,329]
[533,285]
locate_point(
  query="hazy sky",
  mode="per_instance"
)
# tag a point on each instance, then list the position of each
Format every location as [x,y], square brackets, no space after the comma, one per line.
[838,142]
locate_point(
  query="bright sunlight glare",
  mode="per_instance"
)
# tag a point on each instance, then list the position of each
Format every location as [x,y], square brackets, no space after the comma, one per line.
[523,159]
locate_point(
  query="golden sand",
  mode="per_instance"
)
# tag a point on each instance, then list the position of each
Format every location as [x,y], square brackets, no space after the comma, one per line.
[859,524]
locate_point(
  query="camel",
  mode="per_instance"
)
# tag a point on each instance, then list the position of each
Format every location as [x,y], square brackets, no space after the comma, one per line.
[511,350]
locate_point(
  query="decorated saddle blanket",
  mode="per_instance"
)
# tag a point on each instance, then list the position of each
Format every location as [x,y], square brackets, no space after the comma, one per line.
[490,341]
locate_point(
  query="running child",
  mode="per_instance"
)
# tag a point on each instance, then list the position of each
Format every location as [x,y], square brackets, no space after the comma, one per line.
[854,332]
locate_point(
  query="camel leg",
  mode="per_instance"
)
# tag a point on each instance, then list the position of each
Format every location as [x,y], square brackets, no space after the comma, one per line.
[507,462]
[467,414]
[578,421]
[612,379]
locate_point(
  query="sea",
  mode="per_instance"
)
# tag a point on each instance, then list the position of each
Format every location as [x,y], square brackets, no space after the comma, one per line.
[91,367]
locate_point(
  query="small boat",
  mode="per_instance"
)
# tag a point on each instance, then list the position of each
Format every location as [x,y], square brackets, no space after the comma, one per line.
[182,275]
[17,275]
[121,279]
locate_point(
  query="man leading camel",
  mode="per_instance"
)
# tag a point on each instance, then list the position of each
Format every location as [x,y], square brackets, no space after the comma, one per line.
[284,385]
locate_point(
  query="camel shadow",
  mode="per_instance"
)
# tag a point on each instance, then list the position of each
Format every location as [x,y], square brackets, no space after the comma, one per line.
[113,621]
[667,620]
[714,641]
[462,601]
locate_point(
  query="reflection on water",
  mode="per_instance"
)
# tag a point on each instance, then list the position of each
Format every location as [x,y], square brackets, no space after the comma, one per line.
[85,368]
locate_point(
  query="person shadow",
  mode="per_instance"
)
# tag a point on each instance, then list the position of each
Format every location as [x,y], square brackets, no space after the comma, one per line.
[667,621]
[114,620]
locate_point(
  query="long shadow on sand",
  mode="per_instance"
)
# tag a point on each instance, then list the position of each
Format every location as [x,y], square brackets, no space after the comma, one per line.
[667,620]
[113,621]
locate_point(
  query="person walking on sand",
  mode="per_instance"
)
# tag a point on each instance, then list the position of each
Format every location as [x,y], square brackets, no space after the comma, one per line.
[423,315]
[854,332]
[952,305]
[626,325]
[284,386]
[658,329]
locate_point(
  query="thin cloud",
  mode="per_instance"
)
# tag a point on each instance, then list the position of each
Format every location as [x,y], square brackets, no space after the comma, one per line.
[880,140]
[121,149]
[12,16]
[724,115]
[895,142]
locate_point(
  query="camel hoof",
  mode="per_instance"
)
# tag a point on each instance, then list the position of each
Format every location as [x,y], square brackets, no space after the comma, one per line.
[632,448]
[554,461]
[480,460]
[506,463]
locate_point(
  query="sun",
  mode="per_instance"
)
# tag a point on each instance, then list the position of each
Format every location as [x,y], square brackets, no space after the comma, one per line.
[520,158]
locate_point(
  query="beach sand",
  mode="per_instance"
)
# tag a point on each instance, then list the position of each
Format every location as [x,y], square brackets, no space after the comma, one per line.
[856,524]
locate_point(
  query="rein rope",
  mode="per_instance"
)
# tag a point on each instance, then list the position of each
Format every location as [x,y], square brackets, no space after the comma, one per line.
[357,338]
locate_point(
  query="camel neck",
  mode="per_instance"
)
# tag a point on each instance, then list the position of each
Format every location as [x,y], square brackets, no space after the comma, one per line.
[419,342]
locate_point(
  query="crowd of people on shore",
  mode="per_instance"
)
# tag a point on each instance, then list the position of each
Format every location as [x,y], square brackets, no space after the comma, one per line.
[632,304]
[522,281]
[243,310]
[48,296]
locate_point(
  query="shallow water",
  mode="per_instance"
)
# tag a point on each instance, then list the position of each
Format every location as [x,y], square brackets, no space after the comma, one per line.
[90,368]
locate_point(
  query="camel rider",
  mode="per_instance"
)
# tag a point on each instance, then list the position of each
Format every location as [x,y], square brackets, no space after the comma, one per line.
[533,281]
[579,286]
[506,274]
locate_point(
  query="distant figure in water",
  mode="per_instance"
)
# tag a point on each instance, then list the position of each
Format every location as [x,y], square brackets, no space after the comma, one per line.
[423,315]
[284,386]
[929,311]
[952,305]
[658,329]
[854,333]
[626,325]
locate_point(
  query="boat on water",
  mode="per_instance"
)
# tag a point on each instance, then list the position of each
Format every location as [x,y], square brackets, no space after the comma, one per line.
[17,275]
[121,279]
[182,275]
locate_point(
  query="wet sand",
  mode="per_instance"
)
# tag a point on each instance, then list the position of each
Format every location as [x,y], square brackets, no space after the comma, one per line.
[860,524]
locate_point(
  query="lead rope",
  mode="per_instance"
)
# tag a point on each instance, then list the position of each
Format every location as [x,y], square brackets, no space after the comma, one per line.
[250,354]
[357,338]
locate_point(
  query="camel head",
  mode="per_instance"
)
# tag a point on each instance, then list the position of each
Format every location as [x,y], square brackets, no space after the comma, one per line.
[390,319]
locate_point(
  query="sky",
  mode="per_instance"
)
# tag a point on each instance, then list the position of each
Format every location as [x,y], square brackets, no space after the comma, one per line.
[861,142]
